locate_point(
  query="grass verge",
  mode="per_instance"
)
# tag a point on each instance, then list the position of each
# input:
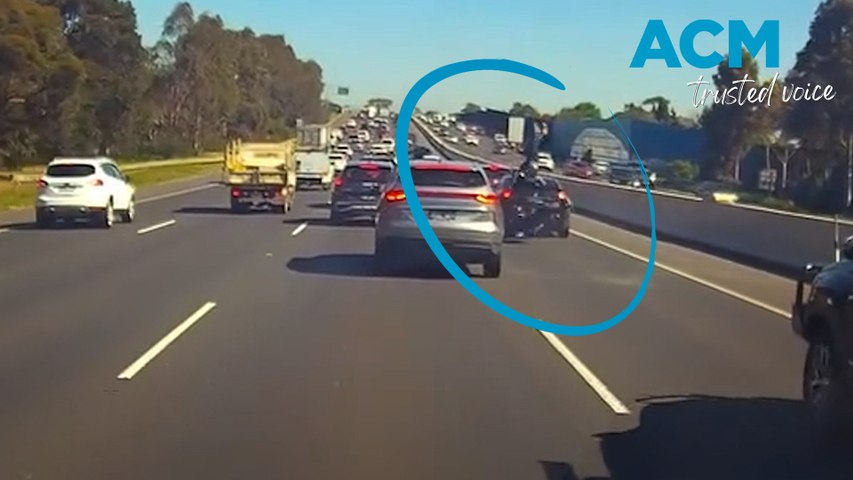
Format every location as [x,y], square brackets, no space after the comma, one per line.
[21,195]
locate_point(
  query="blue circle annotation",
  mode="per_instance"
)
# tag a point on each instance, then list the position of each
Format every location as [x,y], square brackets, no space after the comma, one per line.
[407,110]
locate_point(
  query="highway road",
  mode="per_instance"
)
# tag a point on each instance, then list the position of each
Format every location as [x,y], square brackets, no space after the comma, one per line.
[278,352]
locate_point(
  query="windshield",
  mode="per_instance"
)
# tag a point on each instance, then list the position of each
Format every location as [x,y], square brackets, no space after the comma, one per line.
[70,170]
[447,178]
[372,173]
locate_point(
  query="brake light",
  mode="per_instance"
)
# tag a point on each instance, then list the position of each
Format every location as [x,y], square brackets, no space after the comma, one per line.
[562,195]
[368,166]
[42,183]
[235,193]
[506,193]
[395,196]
[486,199]
[97,182]
[339,181]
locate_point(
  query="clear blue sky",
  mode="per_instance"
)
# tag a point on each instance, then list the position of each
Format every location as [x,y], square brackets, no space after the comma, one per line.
[381,47]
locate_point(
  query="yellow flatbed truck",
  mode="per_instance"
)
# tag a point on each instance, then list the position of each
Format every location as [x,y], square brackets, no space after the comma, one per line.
[260,175]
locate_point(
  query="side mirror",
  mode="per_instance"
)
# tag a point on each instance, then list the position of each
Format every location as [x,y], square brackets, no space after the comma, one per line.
[127,178]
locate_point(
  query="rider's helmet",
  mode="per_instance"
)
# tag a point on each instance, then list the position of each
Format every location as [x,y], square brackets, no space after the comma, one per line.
[847,248]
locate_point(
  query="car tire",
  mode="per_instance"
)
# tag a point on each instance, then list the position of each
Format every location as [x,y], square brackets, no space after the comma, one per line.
[108,216]
[129,214]
[43,221]
[492,266]
[823,393]
[383,260]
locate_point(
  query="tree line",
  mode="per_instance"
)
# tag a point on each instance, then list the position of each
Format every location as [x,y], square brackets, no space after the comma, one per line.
[75,79]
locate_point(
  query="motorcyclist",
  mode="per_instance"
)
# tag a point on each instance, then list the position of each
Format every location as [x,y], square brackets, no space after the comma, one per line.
[523,218]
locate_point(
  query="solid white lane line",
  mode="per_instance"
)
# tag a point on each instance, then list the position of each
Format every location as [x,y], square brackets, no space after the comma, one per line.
[140,363]
[168,223]
[176,193]
[687,276]
[299,229]
[4,230]
[586,374]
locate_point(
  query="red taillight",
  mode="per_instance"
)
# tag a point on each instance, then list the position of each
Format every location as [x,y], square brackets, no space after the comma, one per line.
[235,193]
[395,196]
[339,181]
[562,195]
[368,166]
[42,183]
[97,182]
[506,193]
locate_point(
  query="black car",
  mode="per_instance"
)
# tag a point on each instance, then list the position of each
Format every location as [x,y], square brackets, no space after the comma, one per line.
[547,208]
[824,319]
[358,189]
[630,174]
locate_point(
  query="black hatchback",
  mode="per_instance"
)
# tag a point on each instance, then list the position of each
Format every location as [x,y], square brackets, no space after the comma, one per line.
[358,189]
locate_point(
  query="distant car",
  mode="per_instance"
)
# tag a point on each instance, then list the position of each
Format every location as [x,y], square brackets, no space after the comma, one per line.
[545,161]
[351,123]
[600,167]
[500,149]
[629,174]
[92,189]
[453,139]
[363,136]
[580,169]
[358,189]
[339,160]
[500,138]
[461,207]
[418,152]
[472,140]
[389,143]
[380,149]
[344,149]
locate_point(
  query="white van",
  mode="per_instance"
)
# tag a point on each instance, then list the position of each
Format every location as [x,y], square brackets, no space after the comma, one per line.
[314,169]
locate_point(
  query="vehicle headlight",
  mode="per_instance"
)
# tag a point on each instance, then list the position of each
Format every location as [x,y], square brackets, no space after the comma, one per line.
[653,177]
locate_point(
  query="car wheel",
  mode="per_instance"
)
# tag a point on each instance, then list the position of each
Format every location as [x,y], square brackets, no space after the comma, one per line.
[492,266]
[128,215]
[822,392]
[108,217]
[383,260]
[42,220]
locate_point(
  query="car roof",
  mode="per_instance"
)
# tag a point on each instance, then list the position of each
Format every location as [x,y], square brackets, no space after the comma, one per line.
[450,165]
[78,160]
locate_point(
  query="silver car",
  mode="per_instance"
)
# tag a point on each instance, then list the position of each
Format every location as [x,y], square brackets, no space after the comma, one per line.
[462,209]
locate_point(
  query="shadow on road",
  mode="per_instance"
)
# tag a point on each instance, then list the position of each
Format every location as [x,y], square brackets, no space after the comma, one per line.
[321,206]
[326,222]
[558,471]
[212,210]
[362,265]
[715,438]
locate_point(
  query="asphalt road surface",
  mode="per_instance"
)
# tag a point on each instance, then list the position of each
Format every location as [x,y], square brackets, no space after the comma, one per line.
[278,352]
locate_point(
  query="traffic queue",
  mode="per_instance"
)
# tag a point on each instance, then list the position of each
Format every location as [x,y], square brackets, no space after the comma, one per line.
[471,207]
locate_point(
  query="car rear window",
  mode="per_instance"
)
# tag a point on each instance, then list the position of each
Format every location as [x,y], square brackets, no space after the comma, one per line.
[70,170]
[447,178]
[372,173]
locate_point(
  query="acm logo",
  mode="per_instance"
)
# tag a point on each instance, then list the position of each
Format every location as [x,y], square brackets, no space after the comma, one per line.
[740,37]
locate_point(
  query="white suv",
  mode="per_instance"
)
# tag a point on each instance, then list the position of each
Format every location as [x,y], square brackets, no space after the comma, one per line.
[91,189]
[545,161]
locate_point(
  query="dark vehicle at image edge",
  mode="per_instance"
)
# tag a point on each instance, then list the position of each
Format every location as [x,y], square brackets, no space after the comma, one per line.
[824,318]
[358,189]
